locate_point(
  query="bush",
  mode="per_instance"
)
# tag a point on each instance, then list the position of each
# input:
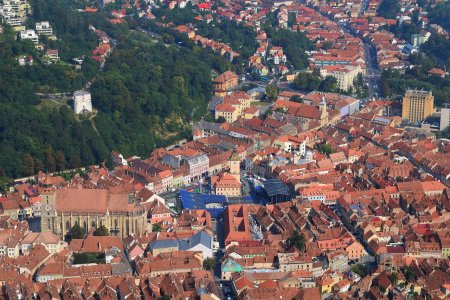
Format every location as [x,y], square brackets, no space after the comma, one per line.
[76,232]
[88,258]
[101,231]
[209,263]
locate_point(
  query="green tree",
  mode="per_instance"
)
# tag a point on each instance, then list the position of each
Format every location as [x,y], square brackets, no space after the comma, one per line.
[209,263]
[101,231]
[307,81]
[157,227]
[360,269]
[394,278]
[60,161]
[88,258]
[325,149]
[327,45]
[27,165]
[38,165]
[50,165]
[294,45]
[76,232]
[297,240]
[221,119]
[296,99]
[271,92]
[329,84]
[389,8]
[409,273]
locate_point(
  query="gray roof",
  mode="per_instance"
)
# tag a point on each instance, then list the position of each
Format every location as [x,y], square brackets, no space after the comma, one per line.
[122,268]
[211,126]
[257,89]
[192,161]
[161,244]
[200,237]
[215,100]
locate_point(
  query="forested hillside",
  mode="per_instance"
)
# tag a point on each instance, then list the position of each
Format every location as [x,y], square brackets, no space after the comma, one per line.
[147,94]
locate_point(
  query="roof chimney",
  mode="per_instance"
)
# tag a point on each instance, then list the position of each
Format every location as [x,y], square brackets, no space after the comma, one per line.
[100,246]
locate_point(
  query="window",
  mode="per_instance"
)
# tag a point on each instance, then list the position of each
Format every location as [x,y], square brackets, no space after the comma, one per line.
[67,225]
[93,224]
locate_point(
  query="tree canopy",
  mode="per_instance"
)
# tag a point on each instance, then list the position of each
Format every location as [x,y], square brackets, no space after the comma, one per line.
[209,263]
[297,240]
[146,96]
[76,232]
[101,231]
[294,45]
[389,8]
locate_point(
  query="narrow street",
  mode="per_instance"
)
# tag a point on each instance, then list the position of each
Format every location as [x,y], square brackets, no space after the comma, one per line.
[373,73]
[225,287]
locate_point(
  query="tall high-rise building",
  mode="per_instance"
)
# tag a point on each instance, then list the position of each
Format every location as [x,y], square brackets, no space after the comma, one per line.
[445,117]
[417,105]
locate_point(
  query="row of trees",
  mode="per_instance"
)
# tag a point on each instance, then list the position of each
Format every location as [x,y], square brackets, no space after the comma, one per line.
[77,232]
[308,82]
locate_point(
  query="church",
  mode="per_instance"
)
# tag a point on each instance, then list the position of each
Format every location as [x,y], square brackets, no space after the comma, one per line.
[90,208]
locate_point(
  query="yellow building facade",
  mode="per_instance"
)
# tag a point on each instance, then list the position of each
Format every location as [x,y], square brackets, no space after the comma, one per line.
[417,105]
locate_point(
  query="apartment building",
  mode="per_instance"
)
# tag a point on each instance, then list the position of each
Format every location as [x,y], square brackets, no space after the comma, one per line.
[44,28]
[345,75]
[417,105]
[29,34]
[445,117]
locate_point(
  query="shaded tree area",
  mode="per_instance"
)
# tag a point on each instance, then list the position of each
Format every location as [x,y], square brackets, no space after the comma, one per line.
[440,14]
[294,45]
[218,63]
[394,84]
[438,47]
[240,38]
[76,232]
[389,8]
[178,16]
[308,82]
[297,240]
[361,270]
[88,258]
[148,93]
[101,231]
[404,30]
[209,263]
[70,26]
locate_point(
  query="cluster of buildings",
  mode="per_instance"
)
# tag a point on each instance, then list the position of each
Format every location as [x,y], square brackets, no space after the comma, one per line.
[341,55]
[268,58]
[312,197]
[42,29]
[14,12]
[103,49]
[218,47]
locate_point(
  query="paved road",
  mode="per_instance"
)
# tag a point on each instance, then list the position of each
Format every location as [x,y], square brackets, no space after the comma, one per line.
[225,287]
[373,73]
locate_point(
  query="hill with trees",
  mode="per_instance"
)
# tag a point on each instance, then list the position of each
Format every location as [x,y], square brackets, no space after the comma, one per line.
[147,94]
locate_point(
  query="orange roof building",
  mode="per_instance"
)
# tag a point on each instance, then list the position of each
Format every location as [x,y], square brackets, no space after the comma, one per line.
[226,185]
[236,224]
